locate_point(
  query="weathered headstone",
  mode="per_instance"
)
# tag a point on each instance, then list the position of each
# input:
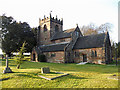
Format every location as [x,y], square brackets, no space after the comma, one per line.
[7,69]
[45,70]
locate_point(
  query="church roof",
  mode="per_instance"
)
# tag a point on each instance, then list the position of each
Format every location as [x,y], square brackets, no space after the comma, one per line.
[84,42]
[53,47]
[91,41]
[63,34]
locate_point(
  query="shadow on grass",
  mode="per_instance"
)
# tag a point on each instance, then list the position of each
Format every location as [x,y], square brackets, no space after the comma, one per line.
[4,79]
[2,60]
[29,75]
[20,72]
[3,64]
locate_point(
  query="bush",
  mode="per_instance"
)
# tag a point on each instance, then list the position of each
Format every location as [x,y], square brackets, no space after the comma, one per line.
[42,58]
[20,56]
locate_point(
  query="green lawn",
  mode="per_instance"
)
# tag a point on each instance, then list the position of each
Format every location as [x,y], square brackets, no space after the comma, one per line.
[50,75]
[80,76]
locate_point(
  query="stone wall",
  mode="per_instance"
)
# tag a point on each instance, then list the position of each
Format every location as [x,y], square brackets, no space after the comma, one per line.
[50,24]
[45,38]
[58,57]
[69,58]
[100,58]
[45,35]
[55,57]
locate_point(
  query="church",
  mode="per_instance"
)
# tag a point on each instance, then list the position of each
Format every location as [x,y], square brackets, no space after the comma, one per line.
[69,46]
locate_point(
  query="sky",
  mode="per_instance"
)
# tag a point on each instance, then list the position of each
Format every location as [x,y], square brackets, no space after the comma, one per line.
[81,12]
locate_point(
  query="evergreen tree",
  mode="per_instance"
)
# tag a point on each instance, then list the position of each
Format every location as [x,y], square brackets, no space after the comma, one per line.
[20,56]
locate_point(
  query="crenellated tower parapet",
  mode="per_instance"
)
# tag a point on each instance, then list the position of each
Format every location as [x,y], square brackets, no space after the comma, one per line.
[51,19]
[56,20]
[49,26]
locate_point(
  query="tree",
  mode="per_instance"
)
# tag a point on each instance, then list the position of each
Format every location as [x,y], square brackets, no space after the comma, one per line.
[0,32]
[118,49]
[0,41]
[20,57]
[34,30]
[89,29]
[105,27]
[14,34]
[92,29]
[113,49]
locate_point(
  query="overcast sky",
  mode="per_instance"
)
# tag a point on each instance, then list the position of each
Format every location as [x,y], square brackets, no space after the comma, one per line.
[81,12]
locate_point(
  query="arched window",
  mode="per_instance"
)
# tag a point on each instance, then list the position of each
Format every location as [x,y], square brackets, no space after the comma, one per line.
[95,53]
[92,54]
[77,54]
[45,28]
[56,28]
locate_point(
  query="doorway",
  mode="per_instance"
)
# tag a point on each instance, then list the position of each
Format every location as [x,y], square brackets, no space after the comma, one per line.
[33,57]
[84,58]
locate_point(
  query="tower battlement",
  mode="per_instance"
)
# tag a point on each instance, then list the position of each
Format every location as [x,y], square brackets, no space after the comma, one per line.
[49,26]
[56,20]
[52,19]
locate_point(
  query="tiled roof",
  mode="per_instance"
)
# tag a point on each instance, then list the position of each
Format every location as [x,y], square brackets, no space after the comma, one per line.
[91,41]
[63,34]
[84,42]
[54,47]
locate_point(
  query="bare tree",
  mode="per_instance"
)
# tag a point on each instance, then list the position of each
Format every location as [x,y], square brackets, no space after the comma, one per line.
[89,29]
[105,27]
[93,29]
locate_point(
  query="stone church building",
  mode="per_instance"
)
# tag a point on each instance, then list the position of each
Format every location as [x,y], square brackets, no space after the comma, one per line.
[70,46]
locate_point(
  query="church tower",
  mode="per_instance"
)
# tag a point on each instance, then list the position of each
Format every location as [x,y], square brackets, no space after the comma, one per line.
[48,27]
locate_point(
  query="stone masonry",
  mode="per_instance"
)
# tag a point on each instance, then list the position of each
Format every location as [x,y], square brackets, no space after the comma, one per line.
[70,46]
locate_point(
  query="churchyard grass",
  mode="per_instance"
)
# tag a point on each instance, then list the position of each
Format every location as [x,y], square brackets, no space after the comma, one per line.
[80,76]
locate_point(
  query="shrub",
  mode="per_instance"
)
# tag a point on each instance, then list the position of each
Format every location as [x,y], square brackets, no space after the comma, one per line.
[42,58]
[20,56]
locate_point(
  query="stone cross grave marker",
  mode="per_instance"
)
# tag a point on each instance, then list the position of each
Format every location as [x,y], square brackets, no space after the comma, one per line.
[7,69]
[45,70]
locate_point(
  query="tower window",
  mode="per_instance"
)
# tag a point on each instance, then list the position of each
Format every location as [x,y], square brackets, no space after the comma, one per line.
[45,28]
[56,28]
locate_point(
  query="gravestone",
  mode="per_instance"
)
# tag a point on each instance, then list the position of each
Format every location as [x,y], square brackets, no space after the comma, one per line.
[45,70]
[7,69]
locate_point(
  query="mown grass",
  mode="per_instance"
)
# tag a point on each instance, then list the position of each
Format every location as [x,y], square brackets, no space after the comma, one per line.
[50,75]
[80,76]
